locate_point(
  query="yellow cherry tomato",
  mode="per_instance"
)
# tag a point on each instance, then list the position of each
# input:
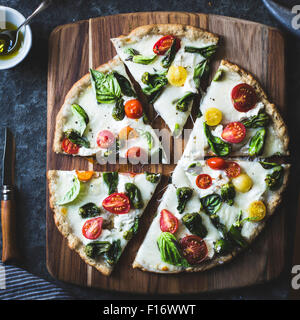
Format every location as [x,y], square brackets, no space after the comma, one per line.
[128,133]
[257,210]
[242,183]
[176,76]
[213,116]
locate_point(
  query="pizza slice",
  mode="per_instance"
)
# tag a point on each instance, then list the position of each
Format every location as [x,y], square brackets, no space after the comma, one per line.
[102,116]
[168,62]
[99,213]
[237,119]
[212,210]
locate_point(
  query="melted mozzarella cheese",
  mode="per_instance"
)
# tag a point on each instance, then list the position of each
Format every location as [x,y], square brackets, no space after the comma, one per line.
[218,96]
[100,118]
[95,191]
[165,105]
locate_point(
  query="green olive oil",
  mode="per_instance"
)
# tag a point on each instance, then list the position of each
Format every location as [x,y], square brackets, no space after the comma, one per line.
[4,43]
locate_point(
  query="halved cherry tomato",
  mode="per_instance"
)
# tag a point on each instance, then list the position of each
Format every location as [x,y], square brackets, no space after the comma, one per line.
[234,132]
[168,222]
[133,109]
[84,175]
[128,133]
[164,43]
[232,169]
[194,249]
[243,97]
[117,203]
[105,139]
[203,181]
[216,163]
[92,228]
[69,147]
[137,154]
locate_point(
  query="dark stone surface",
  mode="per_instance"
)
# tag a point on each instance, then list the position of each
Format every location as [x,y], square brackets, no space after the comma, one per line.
[23,96]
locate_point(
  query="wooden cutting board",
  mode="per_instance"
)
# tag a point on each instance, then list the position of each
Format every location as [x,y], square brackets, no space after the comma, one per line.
[75,47]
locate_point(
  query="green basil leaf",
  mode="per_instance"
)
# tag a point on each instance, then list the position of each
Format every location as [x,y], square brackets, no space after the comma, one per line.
[211,203]
[257,142]
[75,137]
[217,145]
[134,195]
[124,84]
[111,179]
[260,120]
[81,116]
[106,86]
[149,139]
[72,193]
[168,247]
[194,224]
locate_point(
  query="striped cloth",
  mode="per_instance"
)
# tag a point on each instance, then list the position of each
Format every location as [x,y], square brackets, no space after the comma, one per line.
[18,284]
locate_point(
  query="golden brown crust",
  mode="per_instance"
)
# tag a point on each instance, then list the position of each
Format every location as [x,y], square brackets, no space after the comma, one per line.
[71,98]
[273,201]
[278,122]
[63,226]
[179,30]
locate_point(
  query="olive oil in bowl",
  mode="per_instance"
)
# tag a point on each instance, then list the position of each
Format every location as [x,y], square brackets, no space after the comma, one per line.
[5,43]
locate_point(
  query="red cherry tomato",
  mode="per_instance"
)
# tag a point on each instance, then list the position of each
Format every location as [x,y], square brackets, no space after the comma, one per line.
[234,132]
[117,203]
[243,97]
[194,249]
[216,163]
[105,139]
[164,43]
[232,169]
[168,222]
[133,109]
[69,147]
[136,155]
[92,228]
[203,181]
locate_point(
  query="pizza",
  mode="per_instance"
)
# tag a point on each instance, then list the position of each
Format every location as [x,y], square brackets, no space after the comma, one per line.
[168,62]
[102,116]
[212,210]
[230,178]
[98,213]
[237,119]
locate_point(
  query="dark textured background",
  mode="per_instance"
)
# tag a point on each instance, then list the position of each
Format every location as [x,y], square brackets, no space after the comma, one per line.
[23,96]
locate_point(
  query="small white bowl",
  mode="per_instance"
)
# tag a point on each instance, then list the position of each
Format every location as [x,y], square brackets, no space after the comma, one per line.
[16,18]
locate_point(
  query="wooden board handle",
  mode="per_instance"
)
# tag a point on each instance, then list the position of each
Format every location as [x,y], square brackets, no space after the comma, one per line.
[10,250]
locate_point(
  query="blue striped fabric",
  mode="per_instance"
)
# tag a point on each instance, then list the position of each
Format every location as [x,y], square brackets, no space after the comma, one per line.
[18,284]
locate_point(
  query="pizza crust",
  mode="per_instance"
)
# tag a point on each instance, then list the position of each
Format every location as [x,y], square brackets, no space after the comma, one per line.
[278,122]
[178,30]
[71,98]
[273,201]
[62,224]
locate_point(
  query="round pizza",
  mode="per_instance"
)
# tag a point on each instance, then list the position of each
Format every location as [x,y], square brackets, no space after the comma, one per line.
[227,184]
